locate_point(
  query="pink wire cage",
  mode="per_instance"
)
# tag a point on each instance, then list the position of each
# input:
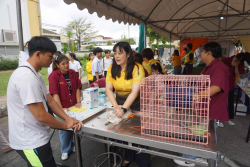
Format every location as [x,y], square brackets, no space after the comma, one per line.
[176,107]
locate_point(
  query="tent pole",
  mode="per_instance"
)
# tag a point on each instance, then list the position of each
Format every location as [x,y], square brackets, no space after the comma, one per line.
[170,44]
[19,24]
[145,37]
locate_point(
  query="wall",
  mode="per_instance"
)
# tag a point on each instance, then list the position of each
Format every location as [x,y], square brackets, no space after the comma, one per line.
[8,18]
[33,18]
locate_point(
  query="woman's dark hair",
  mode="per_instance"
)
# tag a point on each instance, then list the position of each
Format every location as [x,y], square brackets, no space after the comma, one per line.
[90,55]
[27,43]
[243,57]
[190,46]
[42,44]
[157,66]
[213,47]
[73,55]
[185,49]
[58,52]
[138,58]
[116,69]
[176,52]
[147,53]
[106,51]
[156,51]
[58,60]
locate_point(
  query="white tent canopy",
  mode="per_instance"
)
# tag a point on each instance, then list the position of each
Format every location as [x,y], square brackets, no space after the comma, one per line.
[221,20]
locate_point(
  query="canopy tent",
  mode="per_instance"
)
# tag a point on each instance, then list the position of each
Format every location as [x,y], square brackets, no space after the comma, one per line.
[217,20]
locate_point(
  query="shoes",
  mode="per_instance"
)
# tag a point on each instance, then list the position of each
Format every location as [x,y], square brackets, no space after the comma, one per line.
[7,149]
[221,125]
[74,149]
[64,156]
[183,163]
[126,164]
[231,123]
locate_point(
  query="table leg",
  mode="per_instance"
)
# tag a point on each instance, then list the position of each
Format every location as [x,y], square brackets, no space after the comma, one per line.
[212,163]
[78,150]
[239,89]
[248,133]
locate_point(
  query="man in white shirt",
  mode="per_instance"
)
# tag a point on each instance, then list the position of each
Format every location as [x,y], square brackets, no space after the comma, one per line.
[106,62]
[28,100]
[96,66]
[24,55]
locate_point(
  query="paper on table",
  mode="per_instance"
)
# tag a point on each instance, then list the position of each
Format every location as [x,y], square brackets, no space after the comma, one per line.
[74,109]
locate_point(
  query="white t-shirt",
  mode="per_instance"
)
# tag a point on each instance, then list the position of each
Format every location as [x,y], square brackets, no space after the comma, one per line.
[75,65]
[24,88]
[106,63]
[50,69]
[96,67]
[23,57]
[155,57]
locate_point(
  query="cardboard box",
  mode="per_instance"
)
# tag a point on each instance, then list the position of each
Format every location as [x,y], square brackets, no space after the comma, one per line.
[89,104]
[90,94]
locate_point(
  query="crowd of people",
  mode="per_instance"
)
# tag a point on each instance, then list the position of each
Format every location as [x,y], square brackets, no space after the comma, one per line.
[31,105]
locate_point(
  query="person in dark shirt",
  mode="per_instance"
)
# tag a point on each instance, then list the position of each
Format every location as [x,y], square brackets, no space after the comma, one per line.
[235,65]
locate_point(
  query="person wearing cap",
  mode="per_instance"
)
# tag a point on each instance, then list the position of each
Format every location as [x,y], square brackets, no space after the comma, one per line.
[96,64]
[189,60]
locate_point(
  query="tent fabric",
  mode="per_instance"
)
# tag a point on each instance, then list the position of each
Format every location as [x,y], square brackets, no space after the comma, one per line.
[141,38]
[245,40]
[217,20]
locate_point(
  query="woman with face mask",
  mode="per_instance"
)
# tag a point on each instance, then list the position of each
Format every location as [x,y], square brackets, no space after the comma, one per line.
[64,86]
[124,76]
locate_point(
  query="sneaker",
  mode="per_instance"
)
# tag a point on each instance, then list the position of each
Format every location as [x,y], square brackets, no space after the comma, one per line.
[183,163]
[64,156]
[221,125]
[231,123]
[201,160]
[74,149]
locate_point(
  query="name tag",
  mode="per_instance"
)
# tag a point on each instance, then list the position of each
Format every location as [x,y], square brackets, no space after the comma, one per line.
[61,82]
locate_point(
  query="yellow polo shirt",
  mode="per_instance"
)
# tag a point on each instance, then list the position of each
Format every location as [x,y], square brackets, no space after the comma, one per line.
[122,86]
[176,60]
[187,58]
[147,65]
[89,71]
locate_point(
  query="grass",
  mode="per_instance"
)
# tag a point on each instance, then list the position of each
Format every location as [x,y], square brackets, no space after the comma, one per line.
[4,82]
[44,72]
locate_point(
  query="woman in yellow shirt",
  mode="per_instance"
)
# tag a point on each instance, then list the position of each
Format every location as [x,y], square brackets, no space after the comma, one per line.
[124,76]
[89,68]
[176,62]
[148,60]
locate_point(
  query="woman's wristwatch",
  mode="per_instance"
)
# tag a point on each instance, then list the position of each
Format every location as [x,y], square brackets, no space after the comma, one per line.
[124,110]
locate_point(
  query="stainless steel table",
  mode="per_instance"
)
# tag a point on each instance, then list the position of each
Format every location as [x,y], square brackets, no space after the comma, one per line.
[95,126]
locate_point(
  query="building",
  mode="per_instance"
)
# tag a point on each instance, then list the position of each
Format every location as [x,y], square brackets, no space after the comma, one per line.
[99,40]
[31,23]
[56,38]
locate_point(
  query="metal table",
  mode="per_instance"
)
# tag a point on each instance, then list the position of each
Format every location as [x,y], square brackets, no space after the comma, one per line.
[242,88]
[95,126]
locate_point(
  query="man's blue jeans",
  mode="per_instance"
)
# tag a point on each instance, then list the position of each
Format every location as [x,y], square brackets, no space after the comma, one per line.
[67,141]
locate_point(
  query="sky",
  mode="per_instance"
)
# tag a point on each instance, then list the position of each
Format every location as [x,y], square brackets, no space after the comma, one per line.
[56,12]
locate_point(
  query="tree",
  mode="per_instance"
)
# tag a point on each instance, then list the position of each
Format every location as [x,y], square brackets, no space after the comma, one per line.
[80,29]
[124,38]
[64,48]
[154,36]
[109,43]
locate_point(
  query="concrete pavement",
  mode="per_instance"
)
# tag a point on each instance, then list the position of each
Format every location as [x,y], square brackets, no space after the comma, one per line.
[231,142]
